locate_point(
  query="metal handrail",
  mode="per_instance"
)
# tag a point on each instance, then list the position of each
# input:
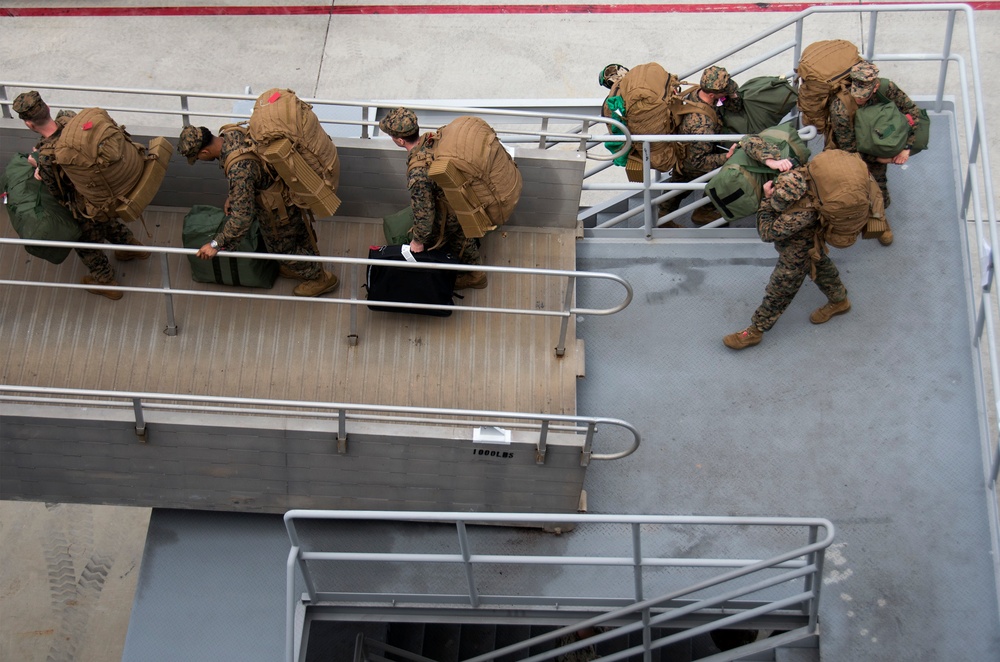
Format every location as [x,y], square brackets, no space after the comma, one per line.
[473,418]
[168,290]
[543,135]
[805,563]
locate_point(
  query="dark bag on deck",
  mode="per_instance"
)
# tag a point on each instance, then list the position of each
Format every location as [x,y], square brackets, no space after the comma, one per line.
[201,224]
[391,283]
[34,213]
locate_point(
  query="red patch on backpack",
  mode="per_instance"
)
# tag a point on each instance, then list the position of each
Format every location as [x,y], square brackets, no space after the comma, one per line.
[88,126]
[274,97]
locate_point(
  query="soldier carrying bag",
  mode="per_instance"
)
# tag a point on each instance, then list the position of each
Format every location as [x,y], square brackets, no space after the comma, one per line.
[882,130]
[766,101]
[203,223]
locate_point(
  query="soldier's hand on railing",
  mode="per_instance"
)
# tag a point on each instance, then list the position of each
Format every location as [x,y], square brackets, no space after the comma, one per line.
[206,252]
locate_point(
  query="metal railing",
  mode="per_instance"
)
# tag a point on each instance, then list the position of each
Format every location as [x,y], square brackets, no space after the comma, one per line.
[539,426]
[787,582]
[369,113]
[359,265]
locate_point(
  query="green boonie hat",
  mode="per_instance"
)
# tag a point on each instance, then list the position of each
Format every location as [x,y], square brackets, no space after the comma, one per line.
[716,80]
[191,142]
[400,123]
[27,104]
[611,74]
[788,187]
[864,77]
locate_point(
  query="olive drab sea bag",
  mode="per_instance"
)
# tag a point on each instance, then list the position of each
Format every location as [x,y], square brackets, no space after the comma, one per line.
[101,160]
[201,224]
[480,179]
[766,101]
[288,136]
[737,188]
[823,73]
[844,194]
[651,97]
[882,129]
[34,213]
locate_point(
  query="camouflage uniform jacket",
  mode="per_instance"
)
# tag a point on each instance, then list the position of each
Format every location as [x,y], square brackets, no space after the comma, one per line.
[759,149]
[700,157]
[431,213]
[247,179]
[798,221]
[842,118]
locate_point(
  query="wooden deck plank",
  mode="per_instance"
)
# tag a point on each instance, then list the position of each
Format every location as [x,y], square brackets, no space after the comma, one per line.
[242,347]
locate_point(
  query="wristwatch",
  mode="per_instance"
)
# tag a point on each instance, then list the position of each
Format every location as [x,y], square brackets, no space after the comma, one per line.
[214,244]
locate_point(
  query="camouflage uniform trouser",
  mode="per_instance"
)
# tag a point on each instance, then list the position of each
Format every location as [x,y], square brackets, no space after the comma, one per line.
[455,242]
[293,236]
[878,172]
[786,279]
[673,204]
[97,232]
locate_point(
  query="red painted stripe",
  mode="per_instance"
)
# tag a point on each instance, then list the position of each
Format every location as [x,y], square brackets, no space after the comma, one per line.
[325,10]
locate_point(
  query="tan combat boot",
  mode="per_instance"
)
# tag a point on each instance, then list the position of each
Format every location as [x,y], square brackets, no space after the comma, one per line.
[828,310]
[471,279]
[128,256]
[742,339]
[114,295]
[325,282]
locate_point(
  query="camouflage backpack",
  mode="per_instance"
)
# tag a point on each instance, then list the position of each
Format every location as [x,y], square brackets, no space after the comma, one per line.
[480,180]
[653,106]
[101,160]
[289,137]
[823,73]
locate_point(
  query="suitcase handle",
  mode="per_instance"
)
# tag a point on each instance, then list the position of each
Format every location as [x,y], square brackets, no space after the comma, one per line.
[407,253]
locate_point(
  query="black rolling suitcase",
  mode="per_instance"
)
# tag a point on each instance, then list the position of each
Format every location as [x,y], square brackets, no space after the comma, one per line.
[393,283]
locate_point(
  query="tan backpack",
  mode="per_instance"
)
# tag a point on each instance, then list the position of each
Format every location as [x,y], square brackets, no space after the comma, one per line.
[844,194]
[101,160]
[480,180]
[290,138]
[823,70]
[653,106]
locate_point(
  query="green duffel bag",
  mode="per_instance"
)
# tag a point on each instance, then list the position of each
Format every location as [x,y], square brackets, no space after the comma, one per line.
[882,129]
[397,227]
[34,213]
[766,101]
[737,188]
[201,224]
[922,137]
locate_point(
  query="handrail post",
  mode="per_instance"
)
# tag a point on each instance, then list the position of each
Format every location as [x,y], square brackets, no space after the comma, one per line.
[583,132]
[140,423]
[185,118]
[364,123]
[870,45]
[814,580]
[352,336]
[588,444]
[543,438]
[463,544]
[647,192]
[342,431]
[293,556]
[542,137]
[939,97]
[171,329]
[637,561]
[4,108]
[567,307]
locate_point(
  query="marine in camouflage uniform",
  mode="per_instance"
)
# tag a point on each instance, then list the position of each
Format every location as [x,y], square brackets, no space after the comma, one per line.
[36,115]
[864,83]
[255,193]
[702,157]
[435,224]
[787,217]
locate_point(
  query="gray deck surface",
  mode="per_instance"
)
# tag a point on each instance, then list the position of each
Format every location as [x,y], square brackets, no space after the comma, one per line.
[870,420]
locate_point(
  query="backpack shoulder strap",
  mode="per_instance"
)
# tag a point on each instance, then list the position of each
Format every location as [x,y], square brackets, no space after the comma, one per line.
[688,103]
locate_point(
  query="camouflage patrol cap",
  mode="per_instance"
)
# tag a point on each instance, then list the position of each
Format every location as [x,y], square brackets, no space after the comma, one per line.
[400,123]
[717,81]
[28,105]
[788,187]
[193,139]
[611,74]
[864,78]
